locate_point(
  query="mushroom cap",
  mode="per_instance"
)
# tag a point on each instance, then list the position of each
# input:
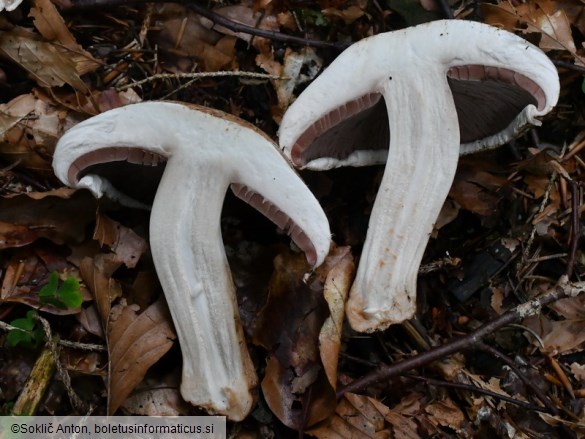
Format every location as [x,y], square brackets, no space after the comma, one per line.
[234,149]
[500,83]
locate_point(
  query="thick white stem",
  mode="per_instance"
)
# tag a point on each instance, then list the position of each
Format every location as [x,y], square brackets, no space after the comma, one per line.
[423,155]
[190,260]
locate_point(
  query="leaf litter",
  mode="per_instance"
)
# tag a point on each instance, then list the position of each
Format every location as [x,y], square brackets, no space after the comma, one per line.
[58,68]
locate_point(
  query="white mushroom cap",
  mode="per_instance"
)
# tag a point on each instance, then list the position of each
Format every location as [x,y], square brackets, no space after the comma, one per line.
[475,53]
[205,151]
[449,87]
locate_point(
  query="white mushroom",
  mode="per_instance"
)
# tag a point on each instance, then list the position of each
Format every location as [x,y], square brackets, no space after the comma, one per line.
[431,92]
[9,5]
[205,151]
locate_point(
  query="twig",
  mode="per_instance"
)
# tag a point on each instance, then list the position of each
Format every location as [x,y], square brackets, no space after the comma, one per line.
[76,401]
[66,343]
[199,75]
[575,227]
[217,20]
[384,372]
[445,9]
[475,389]
[568,65]
[512,365]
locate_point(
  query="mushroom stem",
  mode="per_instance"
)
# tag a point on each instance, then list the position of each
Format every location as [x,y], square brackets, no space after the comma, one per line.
[422,159]
[187,249]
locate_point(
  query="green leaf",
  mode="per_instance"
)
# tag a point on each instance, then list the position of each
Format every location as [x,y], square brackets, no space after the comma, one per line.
[28,334]
[50,289]
[583,86]
[67,295]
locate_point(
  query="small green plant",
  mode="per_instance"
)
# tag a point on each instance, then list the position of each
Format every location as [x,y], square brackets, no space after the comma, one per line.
[312,17]
[66,295]
[27,331]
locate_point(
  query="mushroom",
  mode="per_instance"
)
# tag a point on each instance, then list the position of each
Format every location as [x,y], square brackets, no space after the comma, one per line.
[205,151]
[414,99]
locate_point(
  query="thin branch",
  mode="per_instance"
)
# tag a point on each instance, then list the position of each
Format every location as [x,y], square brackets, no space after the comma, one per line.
[217,19]
[512,365]
[385,371]
[475,389]
[575,227]
[200,75]
[66,343]
[568,65]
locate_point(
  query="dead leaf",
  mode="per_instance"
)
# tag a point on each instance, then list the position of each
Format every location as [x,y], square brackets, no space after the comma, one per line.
[97,274]
[337,284]
[184,38]
[558,336]
[578,370]
[160,397]
[136,342]
[30,126]
[476,189]
[446,413]
[295,385]
[348,15]
[45,216]
[124,242]
[50,24]
[47,65]
[540,16]
[358,416]
[299,68]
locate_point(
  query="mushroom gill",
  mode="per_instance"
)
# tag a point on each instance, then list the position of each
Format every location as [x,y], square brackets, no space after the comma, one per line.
[496,96]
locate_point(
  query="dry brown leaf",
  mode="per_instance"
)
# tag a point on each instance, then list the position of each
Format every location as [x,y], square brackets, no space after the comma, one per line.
[446,413]
[15,235]
[124,242]
[50,24]
[335,291]
[136,342]
[358,416]
[475,188]
[572,308]
[185,38]
[14,111]
[30,126]
[97,102]
[160,397]
[305,60]
[90,320]
[295,385]
[47,65]
[558,337]
[542,16]
[448,213]
[48,216]
[578,371]
[97,274]
[348,15]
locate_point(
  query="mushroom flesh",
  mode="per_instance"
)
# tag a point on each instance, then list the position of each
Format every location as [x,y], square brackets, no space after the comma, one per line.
[414,100]
[205,152]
